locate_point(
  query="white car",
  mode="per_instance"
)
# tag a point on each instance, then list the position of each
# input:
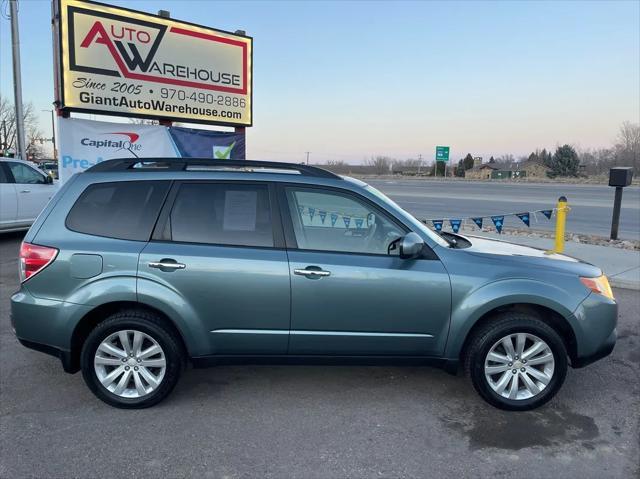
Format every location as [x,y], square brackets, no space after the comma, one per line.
[24,192]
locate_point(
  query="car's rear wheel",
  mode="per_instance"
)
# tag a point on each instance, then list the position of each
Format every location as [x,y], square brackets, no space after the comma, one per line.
[516,361]
[131,360]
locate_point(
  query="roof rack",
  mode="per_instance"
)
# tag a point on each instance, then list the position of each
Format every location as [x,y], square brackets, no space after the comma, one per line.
[208,164]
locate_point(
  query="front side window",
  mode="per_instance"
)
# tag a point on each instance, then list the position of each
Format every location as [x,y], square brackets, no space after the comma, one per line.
[223,214]
[122,210]
[330,221]
[26,175]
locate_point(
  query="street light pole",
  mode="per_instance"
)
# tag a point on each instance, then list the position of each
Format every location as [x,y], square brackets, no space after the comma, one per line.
[53,134]
[17,79]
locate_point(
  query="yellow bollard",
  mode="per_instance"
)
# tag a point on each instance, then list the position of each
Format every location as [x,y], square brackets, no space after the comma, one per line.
[561,219]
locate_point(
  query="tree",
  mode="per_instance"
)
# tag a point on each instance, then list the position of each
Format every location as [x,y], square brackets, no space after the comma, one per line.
[460,168]
[492,160]
[338,163]
[627,147]
[564,162]
[8,135]
[381,164]
[468,162]
[544,157]
[506,159]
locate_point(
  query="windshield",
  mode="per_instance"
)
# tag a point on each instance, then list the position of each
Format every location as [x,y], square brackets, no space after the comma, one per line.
[434,236]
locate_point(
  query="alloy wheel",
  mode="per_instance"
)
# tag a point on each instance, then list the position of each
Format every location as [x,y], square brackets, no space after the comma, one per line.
[519,366]
[130,363]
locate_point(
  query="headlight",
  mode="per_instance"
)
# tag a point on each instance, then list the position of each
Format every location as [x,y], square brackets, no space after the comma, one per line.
[599,285]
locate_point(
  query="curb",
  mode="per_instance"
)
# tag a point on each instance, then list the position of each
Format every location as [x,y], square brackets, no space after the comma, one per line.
[624,284]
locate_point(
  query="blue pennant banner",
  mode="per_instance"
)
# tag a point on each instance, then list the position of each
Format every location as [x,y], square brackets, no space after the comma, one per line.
[455,225]
[359,222]
[347,221]
[547,213]
[524,217]
[323,215]
[312,212]
[334,218]
[437,224]
[498,221]
[478,222]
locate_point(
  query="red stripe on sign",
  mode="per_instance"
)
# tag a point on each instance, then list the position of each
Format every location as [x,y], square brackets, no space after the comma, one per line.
[140,76]
[228,41]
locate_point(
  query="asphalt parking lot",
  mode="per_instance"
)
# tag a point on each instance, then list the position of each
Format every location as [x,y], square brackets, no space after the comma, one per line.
[299,421]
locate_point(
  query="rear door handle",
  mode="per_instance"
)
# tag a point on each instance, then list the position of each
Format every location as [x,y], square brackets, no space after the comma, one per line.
[166,264]
[312,273]
[25,191]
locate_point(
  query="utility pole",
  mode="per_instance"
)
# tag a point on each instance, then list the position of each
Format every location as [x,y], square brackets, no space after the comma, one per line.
[17,79]
[419,163]
[53,135]
[307,152]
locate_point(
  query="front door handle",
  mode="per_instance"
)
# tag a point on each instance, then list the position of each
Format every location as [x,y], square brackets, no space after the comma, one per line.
[312,273]
[25,191]
[167,264]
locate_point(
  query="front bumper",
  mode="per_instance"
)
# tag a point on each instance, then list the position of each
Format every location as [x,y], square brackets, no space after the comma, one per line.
[595,329]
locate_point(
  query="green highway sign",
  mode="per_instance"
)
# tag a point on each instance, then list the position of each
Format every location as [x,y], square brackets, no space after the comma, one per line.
[442,153]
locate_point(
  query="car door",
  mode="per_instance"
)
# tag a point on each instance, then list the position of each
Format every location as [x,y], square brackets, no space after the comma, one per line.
[8,202]
[33,190]
[220,246]
[350,295]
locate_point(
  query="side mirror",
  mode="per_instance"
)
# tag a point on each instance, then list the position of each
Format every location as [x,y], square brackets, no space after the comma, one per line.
[411,245]
[48,180]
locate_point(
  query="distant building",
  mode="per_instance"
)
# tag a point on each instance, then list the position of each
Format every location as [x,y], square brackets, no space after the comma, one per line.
[482,172]
[477,161]
[530,169]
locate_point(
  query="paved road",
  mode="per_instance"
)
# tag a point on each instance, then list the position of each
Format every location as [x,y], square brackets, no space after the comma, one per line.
[315,422]
[591,205]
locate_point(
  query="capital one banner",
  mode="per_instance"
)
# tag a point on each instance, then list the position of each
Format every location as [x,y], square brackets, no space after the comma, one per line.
[116,61]
[84,143]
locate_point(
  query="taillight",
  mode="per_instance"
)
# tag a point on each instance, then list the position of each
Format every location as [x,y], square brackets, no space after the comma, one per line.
[34,258]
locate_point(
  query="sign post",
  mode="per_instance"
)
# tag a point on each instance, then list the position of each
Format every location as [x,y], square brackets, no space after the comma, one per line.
[442,154]
[619,177]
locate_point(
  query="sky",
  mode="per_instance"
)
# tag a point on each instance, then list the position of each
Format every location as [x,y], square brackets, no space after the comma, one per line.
[349,80]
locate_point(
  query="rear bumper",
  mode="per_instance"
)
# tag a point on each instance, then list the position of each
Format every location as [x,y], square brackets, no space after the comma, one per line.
[46,325]
[65,358]
[595,329]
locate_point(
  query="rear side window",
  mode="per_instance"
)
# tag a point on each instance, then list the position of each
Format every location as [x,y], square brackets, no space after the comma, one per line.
[26,175]
[224,214]
[3,175]
[124,210]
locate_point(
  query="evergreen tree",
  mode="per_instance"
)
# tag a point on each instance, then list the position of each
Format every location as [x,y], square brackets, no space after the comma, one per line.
[564,162]
[468,161]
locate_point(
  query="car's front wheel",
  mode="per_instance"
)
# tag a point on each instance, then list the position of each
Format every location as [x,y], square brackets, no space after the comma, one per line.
[131,360]
[516,361]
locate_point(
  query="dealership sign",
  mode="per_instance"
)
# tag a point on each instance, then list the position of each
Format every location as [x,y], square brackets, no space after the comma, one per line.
[85,143]
[122,62]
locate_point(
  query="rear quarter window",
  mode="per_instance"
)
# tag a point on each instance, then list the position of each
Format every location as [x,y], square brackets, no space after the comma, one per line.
[123,210]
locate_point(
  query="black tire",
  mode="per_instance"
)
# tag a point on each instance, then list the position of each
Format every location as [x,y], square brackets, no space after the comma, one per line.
[498,327]
[149,324]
